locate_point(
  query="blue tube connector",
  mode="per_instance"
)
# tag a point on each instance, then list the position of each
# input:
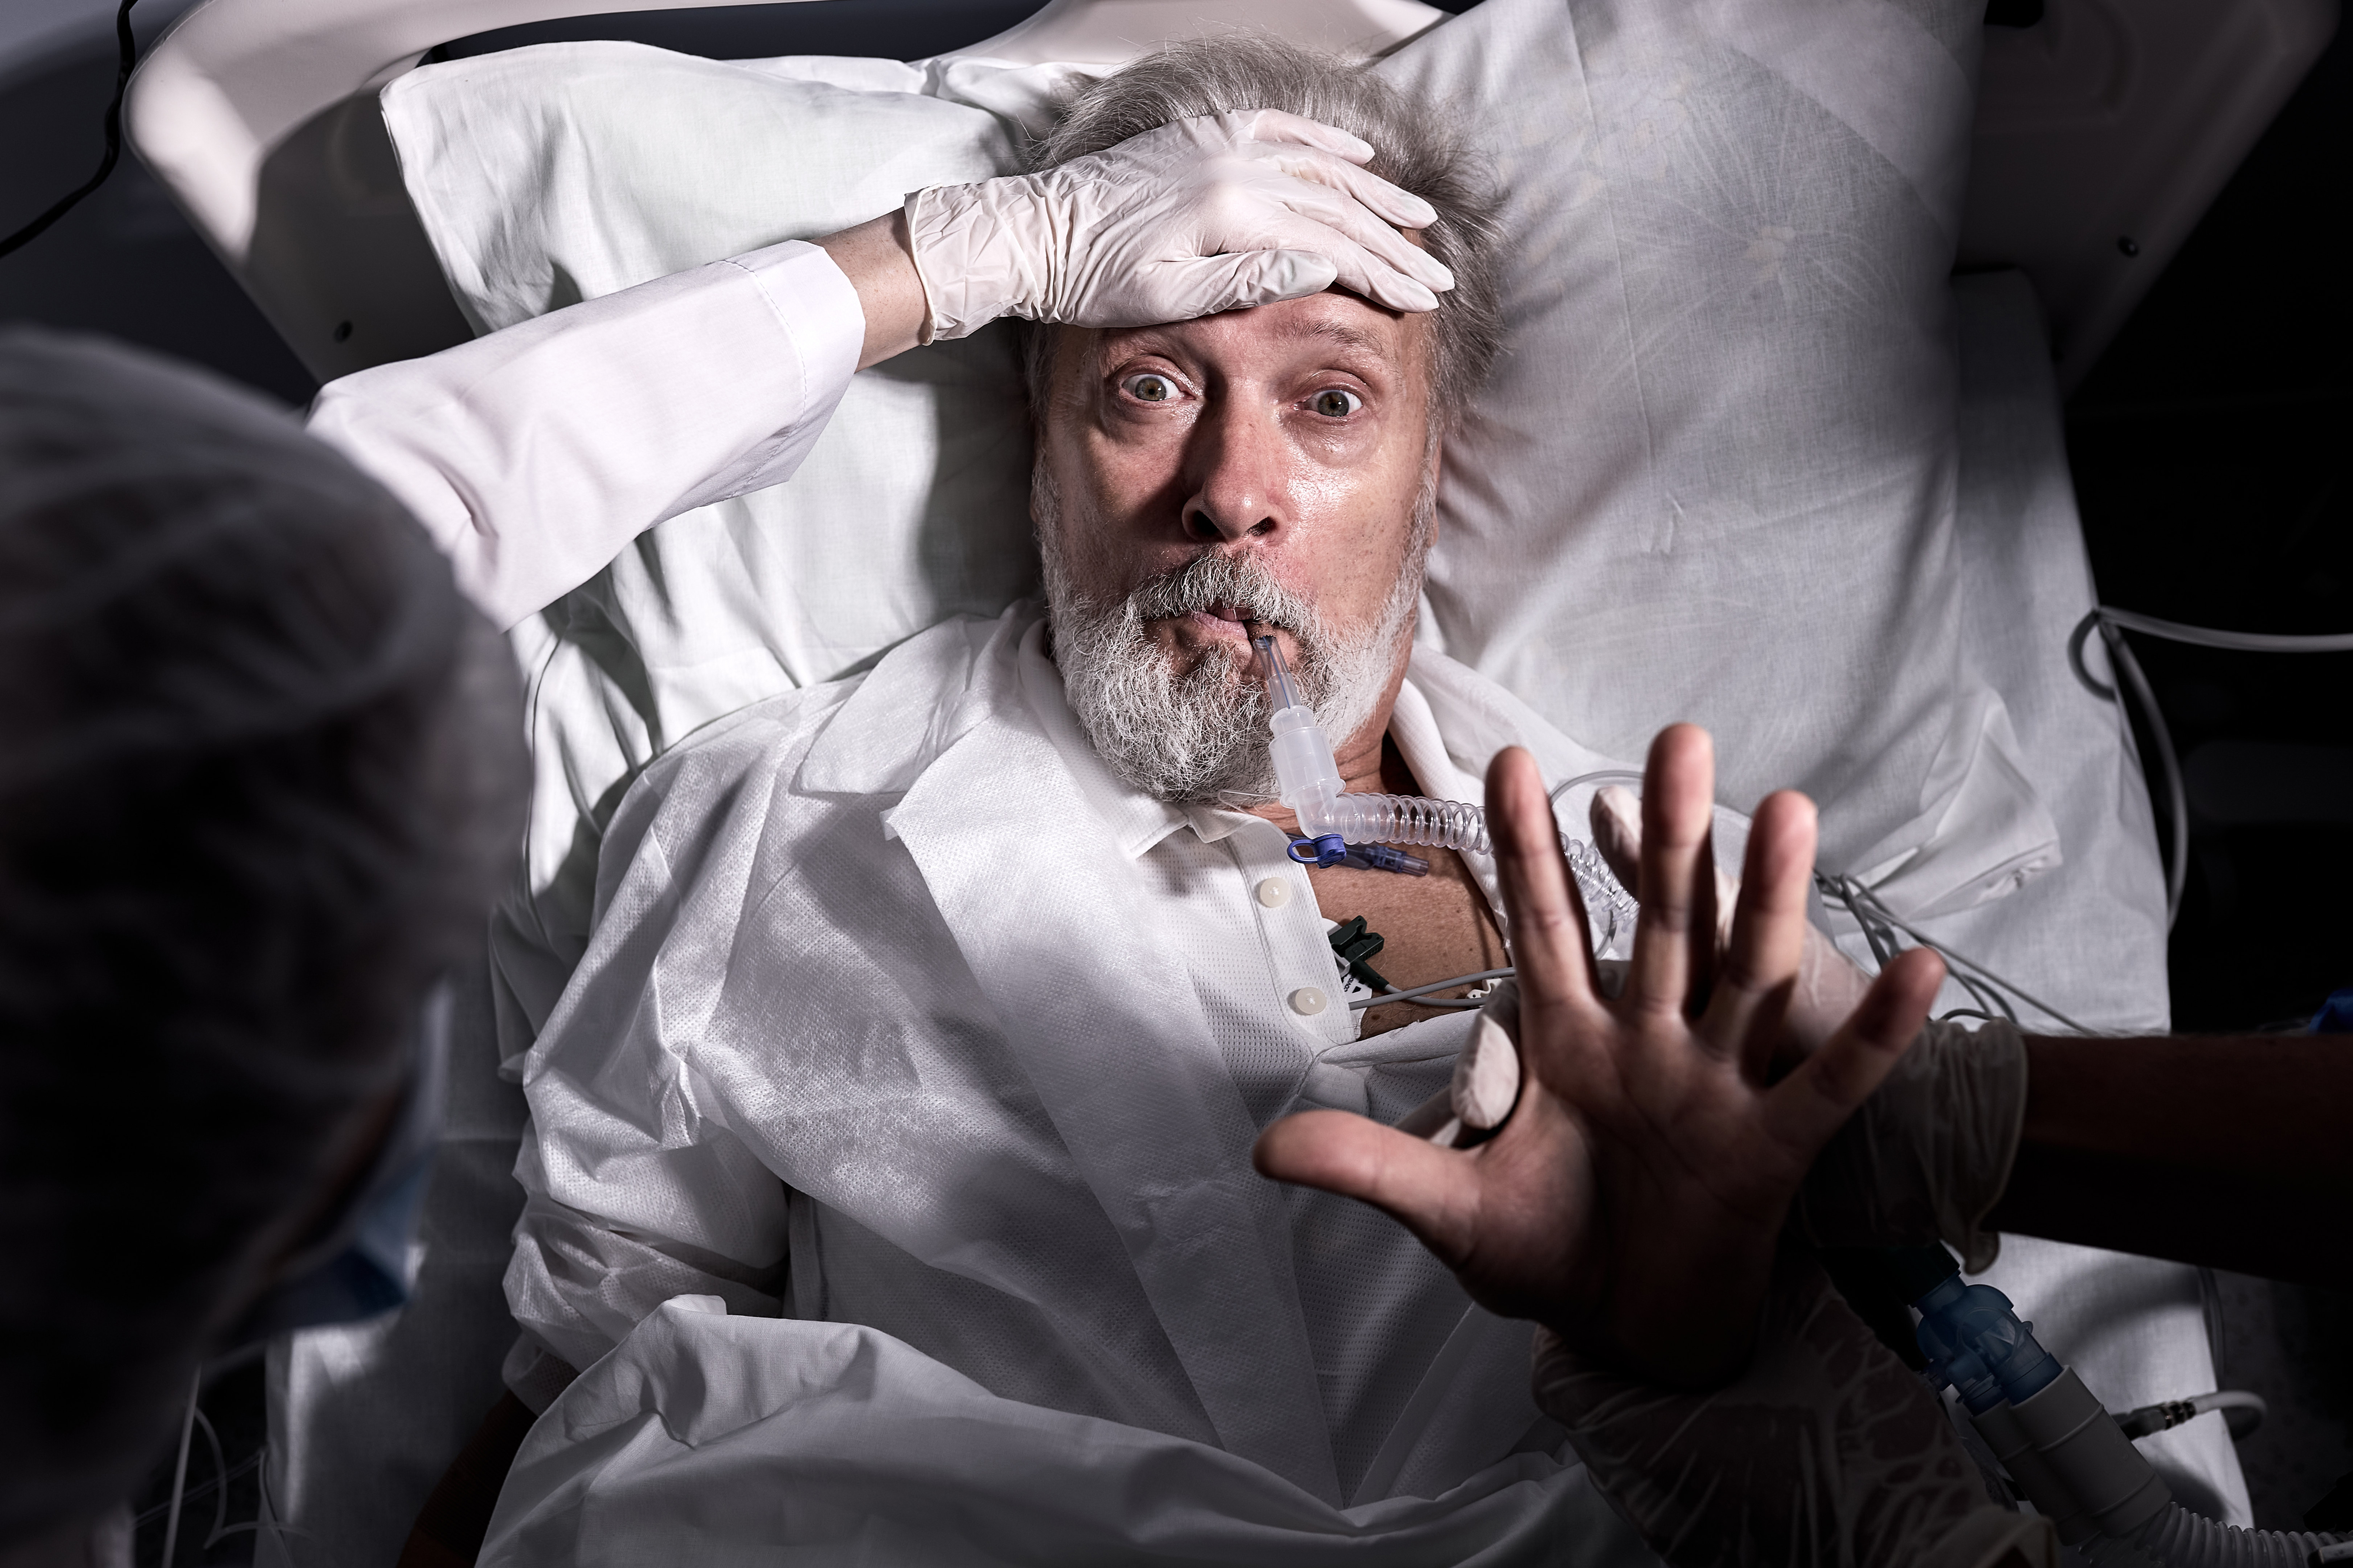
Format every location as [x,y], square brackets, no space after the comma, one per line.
[1327,850]
[1977,1322]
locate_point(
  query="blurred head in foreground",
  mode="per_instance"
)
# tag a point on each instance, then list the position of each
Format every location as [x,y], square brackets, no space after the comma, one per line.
[261,772]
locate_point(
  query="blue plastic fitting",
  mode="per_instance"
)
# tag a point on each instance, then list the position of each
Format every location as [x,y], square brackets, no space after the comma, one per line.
[1328,850]
[1381,857]
[1980,1390]
[1977,1321]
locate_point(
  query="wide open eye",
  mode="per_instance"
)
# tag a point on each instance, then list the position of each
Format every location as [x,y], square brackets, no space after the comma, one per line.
[1150,388]
[1335,403]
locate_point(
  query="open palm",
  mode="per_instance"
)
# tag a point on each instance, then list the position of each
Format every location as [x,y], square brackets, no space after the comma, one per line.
[1633,1199]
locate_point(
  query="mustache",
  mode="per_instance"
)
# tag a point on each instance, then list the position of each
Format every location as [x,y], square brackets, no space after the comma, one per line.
[1236,583]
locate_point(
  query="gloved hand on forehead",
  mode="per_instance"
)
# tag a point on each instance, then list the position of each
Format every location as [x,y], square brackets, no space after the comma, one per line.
[1198,217]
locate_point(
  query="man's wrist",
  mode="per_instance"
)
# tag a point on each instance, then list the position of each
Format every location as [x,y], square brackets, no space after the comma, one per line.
[879,260]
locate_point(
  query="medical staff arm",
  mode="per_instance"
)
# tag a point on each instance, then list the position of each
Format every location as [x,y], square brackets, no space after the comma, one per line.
[534,456]
[2228,1152]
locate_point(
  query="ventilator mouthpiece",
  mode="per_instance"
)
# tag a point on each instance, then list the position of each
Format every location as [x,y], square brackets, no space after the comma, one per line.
[1278,674]
[1305,775]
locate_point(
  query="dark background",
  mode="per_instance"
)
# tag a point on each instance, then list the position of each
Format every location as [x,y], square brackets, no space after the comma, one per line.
[2209,453]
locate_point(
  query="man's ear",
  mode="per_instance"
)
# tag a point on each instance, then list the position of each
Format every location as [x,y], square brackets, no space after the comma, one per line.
[1437,481]
[1434,476]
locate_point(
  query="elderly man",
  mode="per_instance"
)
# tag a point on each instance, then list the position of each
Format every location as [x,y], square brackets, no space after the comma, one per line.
[890,1193]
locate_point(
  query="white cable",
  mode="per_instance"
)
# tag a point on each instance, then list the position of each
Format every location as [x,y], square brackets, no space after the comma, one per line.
[1866,908]
[2167,1413]
[2242,642]
[2128,672]
[180,1470]
[1418,992]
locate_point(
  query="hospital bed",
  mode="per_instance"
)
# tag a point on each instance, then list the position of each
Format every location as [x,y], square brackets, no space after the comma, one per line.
[2102,124]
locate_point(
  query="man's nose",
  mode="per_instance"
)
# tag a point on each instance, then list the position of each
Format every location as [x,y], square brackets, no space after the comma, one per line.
[1240,473]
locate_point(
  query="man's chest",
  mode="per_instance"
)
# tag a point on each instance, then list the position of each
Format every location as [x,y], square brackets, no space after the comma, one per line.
[1432,927]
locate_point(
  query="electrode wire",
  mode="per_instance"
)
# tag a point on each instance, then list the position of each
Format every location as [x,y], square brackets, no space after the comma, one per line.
[1972,976]
[180,1468]
[127,54]
[2138,694]
[1419,995]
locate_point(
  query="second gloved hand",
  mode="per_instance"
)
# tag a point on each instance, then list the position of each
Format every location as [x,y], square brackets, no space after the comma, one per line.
[1929,1154]
[1201,216]
[1824,1450]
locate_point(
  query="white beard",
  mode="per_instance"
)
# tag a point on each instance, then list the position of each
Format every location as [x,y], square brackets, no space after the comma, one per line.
[1200,737]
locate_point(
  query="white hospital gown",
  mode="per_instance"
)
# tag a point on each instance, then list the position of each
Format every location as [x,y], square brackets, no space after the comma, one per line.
[901,1011]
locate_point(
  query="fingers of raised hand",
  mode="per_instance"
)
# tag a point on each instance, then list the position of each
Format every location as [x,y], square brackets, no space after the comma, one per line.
[1805,1107]
[1760,962]
[1432,1192]
[1674,936]
[1550,948]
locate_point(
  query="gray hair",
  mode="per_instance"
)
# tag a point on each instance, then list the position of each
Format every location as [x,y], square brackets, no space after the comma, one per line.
[1415,146]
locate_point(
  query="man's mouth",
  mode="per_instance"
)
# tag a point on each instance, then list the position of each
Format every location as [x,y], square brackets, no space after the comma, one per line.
[1222,620]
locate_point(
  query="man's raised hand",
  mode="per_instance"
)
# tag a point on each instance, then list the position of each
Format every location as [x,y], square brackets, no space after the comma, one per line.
[1633,1199]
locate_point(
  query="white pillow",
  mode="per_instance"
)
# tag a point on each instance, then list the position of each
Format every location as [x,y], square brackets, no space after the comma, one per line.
[1714,475]
[1713,478]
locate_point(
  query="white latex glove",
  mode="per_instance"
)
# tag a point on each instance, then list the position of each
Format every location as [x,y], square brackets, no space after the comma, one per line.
[1824,1450]
[1829,984]
[1927,1156]
[1198,217]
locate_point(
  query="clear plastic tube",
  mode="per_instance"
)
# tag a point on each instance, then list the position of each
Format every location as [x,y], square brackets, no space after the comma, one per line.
[2085,1473]
[1409,819]
[1308,780]
[2181,1538]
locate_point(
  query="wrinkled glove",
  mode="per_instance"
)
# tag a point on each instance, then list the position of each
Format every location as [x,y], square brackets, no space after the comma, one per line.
[1826,1450]
[1201,216]
[1928,1155]
[1828,985]
[1930,1151]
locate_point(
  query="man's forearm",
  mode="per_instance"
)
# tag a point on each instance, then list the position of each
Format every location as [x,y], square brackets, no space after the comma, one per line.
[2233,1152]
